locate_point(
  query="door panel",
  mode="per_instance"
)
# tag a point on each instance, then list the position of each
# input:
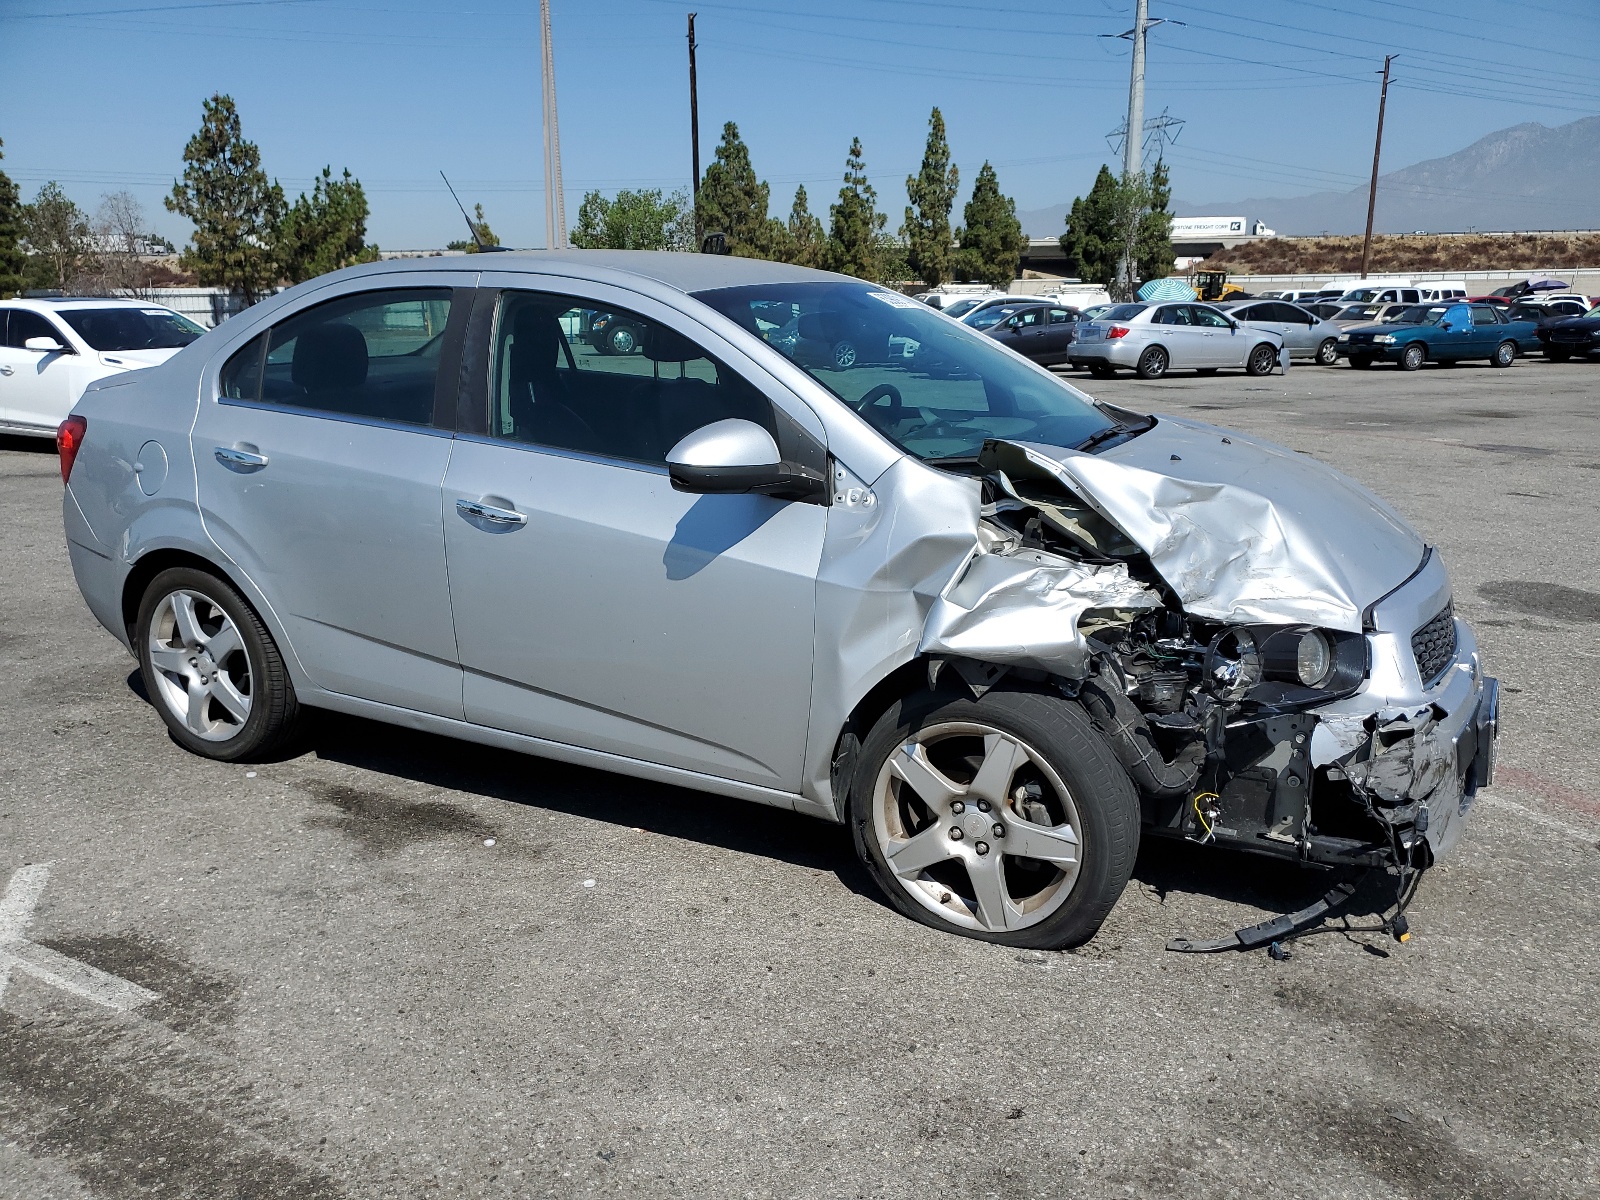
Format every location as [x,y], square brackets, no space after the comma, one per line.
[37,390]
[336,514]
[628,617]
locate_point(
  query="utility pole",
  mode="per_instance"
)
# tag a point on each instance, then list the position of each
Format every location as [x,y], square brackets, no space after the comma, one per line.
[1133,145]
[1377,150]
[555,201]
[694,130]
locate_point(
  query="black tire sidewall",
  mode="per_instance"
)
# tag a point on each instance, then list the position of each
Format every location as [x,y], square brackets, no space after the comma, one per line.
[261,728]
[1147,363]
[1509,357]
[1250,367]
[1108,806]
[1328,353]
[1412,352]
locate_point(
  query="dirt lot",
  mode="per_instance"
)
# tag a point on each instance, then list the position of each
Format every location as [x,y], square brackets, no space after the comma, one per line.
[640,991]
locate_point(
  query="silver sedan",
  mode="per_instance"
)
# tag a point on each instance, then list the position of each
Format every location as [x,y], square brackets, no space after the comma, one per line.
[1305,335]
[941,597]
[1153,339]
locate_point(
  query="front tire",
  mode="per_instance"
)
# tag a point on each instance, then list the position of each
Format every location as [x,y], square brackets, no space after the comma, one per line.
[1261,361]
[1328,352]
[1412,357]
[211,668]
[1006,818]
[1504,354]
[1152,363]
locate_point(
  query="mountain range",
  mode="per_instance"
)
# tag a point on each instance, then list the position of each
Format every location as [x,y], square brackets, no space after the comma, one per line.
[1527,177]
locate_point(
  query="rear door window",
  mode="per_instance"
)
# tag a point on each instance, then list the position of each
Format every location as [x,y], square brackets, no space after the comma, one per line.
[374,355]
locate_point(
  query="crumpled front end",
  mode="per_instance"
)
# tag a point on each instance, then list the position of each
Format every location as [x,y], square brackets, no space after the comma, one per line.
[1269,649]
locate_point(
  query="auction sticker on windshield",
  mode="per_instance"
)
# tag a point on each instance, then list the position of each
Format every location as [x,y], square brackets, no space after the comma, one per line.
[896,300]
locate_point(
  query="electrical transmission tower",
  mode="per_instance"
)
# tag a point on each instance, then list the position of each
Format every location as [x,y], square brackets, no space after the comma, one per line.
[555,201]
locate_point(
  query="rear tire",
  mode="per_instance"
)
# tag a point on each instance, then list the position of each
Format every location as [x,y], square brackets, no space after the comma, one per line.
[940,773]
[1153,363]
[1504,354]
[1412,357]
[1328,352]
[211,669]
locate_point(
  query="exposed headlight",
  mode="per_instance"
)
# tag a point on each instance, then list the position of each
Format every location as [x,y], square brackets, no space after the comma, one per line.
[1344,337]
[1383,337]
[1314,658]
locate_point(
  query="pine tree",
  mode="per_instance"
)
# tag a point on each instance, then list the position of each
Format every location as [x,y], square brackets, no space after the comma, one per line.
[324,231]
[1153,255]
[1090,243]
[932,192]
[733,201]
[807,242]
[233,208]
[991,236]
[855,221]
[480,226]
[12,258]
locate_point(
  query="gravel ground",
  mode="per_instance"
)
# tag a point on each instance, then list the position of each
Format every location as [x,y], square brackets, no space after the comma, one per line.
[642,991]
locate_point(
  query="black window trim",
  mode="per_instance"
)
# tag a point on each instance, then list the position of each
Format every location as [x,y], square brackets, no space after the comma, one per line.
[446,384]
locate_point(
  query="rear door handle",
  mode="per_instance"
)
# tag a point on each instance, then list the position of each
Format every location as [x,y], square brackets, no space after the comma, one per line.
[5,370]
[488,512]
[240,460]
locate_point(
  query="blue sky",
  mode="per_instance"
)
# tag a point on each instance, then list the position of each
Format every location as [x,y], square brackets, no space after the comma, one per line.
[1279,97]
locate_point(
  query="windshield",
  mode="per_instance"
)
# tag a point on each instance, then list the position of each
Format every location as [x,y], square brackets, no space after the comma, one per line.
[131,328]
[991,316]
[937,389]
[958,307]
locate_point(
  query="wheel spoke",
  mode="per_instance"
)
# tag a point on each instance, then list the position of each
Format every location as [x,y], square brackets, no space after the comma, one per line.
[224,642]
[995,907]
[914,855]
[237,706]
[1001,758]
[199,697]
[932,786]
[173,662]
[1027,840]
[187,621]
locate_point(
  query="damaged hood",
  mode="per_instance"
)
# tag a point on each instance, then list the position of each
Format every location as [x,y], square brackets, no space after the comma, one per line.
[1242,530]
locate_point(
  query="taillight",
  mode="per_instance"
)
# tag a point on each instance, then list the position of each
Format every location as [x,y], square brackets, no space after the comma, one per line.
[69,440]
[1115,332]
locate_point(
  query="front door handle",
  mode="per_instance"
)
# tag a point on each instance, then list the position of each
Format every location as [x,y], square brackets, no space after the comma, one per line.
[5,370]
[240,460]
[488,512]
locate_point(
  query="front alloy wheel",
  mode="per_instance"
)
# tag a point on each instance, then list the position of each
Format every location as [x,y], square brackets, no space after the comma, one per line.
[1261,361]
[1328,352]
[1412,358]
[1005,818]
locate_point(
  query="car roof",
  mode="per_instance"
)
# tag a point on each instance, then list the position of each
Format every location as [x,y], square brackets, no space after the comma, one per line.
[684,272]
[62,303]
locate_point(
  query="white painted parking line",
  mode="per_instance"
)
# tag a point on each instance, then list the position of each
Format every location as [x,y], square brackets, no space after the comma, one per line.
[47,965]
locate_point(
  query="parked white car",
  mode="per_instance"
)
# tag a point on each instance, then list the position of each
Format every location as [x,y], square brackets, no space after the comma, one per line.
[1153,338]
[50,350]
[1304,334]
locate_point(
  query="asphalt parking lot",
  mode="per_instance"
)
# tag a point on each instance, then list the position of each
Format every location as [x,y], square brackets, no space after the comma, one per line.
[641,991]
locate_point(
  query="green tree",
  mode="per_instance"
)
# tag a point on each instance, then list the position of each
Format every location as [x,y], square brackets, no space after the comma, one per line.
[733,201]
[234,209]
[1153,255]
[1090,243]
[932,192]
[855,222]
[643,220]
[325,230]
[56,231]
[990,235]
[13,260]
[485,235]
[807,242]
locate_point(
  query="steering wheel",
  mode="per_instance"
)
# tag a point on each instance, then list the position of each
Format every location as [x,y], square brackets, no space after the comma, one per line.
[897,408]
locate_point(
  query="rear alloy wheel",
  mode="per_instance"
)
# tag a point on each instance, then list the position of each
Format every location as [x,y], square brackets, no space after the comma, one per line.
[1152,363]
[1261,361]
[211,668]
[1328,352]
[1412,358]
[1006,818]
[1504,354]
[844,355]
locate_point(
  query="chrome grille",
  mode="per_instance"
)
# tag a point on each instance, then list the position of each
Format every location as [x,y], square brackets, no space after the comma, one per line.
[1434,645]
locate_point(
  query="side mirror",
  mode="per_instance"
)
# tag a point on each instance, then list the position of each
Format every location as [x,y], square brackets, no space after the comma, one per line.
[1446,325]
[44,345]
[735,456]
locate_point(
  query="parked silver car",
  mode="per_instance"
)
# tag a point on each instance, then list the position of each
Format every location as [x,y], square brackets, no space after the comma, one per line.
[946,599]
[1153,339]
[1305,335]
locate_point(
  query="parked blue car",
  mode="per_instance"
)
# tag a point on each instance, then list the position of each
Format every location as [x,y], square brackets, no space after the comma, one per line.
[1442,333]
